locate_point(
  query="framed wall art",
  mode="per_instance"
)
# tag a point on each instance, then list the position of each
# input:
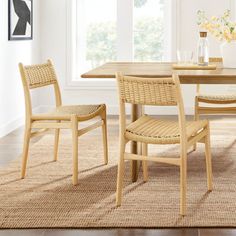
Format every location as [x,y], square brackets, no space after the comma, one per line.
[20,19]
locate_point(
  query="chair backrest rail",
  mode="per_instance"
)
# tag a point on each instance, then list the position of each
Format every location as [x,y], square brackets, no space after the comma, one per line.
[36,76]
[159,92]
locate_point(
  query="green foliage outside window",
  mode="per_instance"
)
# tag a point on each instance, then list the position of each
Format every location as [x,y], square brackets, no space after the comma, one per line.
[139,3]
[148,41]
[101,43]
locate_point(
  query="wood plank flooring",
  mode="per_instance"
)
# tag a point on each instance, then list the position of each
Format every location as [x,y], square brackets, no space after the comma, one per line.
[11,146]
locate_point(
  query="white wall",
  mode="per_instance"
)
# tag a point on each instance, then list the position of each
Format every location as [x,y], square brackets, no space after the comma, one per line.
[54,45]
[11,53]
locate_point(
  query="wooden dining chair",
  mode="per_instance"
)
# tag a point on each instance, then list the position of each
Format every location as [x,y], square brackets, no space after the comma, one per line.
[62,117]
[214,100]
[149,130]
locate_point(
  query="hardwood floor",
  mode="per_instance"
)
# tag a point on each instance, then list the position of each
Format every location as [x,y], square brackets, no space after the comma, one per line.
[11,146]
[121,232]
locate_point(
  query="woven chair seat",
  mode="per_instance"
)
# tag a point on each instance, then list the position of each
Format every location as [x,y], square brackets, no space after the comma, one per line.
[227,98]
[150,130]
[84,112]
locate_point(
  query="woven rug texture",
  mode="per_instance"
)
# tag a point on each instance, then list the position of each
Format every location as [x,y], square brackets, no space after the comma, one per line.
[46,198]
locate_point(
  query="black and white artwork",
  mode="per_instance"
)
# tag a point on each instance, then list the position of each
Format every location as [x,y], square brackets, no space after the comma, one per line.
[20,25]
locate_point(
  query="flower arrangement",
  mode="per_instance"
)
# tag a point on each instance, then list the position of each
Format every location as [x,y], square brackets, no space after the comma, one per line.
[222,28]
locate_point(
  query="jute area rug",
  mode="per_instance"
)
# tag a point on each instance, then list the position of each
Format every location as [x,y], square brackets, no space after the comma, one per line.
[47,198]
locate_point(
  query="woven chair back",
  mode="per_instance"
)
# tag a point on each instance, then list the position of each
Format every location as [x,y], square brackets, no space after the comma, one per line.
[36,76]
[145,91]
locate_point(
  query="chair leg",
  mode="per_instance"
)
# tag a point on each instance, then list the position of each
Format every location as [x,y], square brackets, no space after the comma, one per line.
[25,151]
[145,163]
[57,134]
[104,135]
[74,122]
[208,159]
[183,183]
[196,117]
[120,174]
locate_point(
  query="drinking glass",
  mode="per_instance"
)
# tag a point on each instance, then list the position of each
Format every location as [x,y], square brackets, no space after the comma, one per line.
[185,57]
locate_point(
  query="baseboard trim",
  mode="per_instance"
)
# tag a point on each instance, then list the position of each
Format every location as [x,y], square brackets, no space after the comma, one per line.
[14,124]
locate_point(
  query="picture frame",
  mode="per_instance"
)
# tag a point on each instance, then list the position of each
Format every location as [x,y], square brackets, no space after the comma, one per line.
[20,20]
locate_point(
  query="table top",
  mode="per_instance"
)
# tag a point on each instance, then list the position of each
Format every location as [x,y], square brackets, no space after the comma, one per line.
[158,69]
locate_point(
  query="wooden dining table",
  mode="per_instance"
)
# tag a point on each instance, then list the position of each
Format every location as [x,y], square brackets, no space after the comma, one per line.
[195,75]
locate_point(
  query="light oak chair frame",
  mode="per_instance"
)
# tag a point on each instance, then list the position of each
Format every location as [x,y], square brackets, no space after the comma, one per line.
[212,110]
[42,75]
[159,92]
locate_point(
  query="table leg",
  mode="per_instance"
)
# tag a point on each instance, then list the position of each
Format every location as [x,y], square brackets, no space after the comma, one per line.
[135,113]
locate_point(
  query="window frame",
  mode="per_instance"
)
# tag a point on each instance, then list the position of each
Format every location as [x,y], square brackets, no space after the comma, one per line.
[124,43]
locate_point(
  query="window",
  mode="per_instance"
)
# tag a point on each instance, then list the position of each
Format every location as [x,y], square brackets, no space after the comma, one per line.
[148,30]
[96,33]
[122,30]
